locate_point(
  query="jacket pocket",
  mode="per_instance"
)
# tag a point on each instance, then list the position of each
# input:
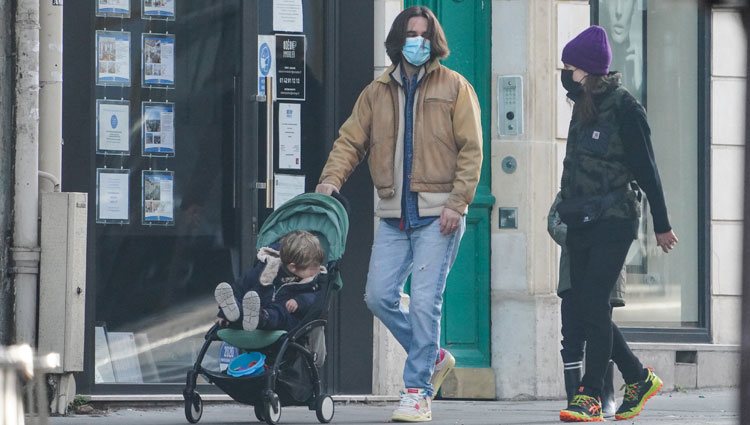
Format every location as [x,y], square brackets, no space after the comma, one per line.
[381,164]
[438,122]
[440,99]
[437,151]
[595,140]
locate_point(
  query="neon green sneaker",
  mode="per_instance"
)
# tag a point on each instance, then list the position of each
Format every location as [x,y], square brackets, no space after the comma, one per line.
[636,396]
[583,408]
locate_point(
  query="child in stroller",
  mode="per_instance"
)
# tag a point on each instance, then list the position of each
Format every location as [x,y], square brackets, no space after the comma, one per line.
[295,351]
[279,290]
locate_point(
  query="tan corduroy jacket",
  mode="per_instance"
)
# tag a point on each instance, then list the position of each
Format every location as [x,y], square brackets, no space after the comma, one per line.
[447,141]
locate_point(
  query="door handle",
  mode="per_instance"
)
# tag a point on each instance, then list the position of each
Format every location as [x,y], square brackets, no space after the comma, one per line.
[269,142]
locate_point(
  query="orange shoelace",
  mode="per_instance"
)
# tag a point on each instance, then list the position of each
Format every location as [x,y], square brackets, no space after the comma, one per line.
[631,392]
[587,402]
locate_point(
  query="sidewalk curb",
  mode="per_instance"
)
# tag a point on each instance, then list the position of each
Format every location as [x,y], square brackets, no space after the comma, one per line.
[150,400]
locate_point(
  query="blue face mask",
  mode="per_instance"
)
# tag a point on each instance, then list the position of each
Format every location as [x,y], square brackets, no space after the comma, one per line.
[416,50]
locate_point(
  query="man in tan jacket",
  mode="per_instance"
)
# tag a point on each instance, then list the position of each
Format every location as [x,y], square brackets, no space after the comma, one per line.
[420,123]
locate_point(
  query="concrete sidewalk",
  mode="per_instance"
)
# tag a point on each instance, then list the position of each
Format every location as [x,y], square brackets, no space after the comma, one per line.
[685,408]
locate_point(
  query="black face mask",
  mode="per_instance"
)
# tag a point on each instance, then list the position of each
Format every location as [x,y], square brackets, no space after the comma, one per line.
[566,77]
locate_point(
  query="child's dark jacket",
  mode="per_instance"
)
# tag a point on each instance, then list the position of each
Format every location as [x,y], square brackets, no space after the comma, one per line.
[276,285]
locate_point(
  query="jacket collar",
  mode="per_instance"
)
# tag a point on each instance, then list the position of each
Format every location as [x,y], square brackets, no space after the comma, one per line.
[602,89]
[390,73]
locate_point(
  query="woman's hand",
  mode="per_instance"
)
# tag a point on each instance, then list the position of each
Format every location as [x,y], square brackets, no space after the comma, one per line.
[449,220]
[291,306]
[666,240]
[326,188]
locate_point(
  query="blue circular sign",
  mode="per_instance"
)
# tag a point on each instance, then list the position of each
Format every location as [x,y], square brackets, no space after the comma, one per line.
[113,121]
[264,59]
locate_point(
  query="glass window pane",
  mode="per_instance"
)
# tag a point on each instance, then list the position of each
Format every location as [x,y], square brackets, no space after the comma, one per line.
[155,277]
[655,47]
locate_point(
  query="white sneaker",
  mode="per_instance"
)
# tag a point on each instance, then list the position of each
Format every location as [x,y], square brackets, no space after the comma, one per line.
[415,406]
[445,364]
[250,311]
[224,295]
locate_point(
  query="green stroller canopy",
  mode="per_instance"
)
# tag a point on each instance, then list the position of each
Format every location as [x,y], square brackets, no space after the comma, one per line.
[314,212]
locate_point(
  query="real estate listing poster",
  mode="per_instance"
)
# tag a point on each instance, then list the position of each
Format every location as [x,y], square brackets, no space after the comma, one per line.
[158,9]
[112,127]
[113,8]
[113,58]
[158,60]
[158,197]
[157,129]
[112,195]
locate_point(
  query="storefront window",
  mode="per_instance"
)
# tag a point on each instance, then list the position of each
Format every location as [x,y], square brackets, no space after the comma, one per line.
[172,68]
[655,47]
[178,146]
[165,131]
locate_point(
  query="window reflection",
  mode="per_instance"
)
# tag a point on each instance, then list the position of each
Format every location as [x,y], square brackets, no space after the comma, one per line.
[662,290]
[154,284]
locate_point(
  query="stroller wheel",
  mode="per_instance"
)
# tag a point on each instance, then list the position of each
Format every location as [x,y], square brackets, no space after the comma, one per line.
[272,409]
[324,409]
[193,408]
[259,411]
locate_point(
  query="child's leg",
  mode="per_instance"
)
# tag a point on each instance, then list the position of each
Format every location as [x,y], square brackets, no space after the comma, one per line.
[276,317]
[224,295]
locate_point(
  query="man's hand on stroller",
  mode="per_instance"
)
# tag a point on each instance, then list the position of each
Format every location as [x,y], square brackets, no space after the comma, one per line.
[326,188]
[291,306]
[222,322]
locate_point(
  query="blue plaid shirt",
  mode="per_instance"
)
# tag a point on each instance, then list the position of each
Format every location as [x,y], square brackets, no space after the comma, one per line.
[410,218]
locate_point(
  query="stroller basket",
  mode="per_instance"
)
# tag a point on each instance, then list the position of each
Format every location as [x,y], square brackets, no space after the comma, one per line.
[243,389]
[293,384]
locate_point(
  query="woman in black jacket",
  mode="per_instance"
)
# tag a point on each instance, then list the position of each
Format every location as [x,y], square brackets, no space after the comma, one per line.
[608,158]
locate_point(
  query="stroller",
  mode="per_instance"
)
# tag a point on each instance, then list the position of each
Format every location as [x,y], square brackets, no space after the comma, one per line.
[291,377]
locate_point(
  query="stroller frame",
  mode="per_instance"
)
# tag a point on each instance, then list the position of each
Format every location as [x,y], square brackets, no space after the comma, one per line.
[261,391]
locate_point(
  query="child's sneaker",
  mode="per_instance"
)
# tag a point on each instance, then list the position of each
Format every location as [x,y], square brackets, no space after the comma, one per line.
[583,408]
[224,295]
[413,407]
[250,311]
[444,364]
[637,394]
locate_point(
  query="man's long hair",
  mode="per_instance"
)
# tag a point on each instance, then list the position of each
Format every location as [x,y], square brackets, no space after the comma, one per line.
[397,36]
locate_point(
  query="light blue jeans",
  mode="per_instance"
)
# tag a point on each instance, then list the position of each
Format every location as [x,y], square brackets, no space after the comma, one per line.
[427,255]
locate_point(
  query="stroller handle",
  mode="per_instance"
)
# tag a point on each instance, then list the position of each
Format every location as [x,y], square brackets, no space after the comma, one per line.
[342,199]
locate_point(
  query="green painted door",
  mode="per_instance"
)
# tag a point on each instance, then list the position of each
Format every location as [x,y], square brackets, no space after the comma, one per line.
[466,310]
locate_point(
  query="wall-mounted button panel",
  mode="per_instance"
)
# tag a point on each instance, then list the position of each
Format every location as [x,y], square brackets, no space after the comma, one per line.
[510,105]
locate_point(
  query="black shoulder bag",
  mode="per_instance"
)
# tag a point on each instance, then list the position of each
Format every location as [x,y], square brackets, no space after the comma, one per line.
[581,213]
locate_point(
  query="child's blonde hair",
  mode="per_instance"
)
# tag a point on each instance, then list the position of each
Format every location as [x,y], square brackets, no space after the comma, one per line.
[301,248]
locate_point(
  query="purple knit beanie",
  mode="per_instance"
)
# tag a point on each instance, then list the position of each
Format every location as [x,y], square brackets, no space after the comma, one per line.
[589,51]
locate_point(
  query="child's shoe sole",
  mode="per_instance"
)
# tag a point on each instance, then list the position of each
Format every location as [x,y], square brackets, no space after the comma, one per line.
[250,311]
[224,296]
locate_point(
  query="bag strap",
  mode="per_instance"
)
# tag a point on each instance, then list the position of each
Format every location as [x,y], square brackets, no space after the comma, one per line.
[610,198]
